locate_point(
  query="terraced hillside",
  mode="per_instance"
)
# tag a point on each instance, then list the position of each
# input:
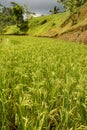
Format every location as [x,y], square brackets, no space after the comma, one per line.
[57,25]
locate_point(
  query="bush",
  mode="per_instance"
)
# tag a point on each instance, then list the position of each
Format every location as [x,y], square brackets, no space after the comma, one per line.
[44,21]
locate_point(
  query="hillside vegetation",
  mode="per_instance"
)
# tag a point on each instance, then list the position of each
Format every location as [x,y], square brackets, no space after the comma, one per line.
[43,84]
[57,25]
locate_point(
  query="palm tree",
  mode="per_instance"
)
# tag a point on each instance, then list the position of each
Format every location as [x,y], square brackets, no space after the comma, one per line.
[55,10]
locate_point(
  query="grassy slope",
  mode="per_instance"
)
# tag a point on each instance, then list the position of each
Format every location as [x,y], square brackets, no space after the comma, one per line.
[50,25]
[36,26]
[52,22]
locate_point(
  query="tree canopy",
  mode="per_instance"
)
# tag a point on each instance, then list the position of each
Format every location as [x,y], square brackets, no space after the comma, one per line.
[13,14]
[72,4]
[17,13]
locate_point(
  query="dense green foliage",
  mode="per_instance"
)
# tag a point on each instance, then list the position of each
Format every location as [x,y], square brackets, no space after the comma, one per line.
[43,84]
[13,15]
[72,4]
[5,18]
[17,12]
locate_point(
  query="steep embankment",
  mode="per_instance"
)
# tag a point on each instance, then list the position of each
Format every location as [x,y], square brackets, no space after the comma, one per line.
[58,25]
[72,31]
[78,31]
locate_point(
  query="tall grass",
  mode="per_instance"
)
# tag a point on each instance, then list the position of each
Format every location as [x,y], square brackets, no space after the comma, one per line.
[43,84]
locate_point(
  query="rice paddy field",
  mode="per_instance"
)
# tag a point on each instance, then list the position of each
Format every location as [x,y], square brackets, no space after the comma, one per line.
[43,84]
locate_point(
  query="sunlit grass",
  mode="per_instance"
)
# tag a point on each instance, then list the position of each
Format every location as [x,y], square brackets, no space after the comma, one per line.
[43,84]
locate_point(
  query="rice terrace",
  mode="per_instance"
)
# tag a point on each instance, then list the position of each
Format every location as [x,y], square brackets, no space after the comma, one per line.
[43,73]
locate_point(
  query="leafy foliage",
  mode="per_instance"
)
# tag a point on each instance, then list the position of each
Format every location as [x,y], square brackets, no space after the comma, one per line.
[72,4]
[5,18]
[13,15]
[17,12]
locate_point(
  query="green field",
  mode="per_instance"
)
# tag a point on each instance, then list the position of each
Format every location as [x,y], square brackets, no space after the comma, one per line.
[43,84]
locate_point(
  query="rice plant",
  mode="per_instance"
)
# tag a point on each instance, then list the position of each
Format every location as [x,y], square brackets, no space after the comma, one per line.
[43,84]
